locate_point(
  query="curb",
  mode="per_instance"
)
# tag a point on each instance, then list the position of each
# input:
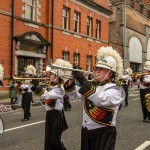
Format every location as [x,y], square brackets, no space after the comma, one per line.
[6,108]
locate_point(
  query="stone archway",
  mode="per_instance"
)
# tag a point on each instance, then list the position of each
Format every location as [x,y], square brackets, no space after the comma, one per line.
[148,50]
[135,54]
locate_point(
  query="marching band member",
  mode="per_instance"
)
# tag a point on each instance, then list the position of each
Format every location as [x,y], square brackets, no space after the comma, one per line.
[27,92]
[144,90]
[101,101]
[125,82]
[53,101]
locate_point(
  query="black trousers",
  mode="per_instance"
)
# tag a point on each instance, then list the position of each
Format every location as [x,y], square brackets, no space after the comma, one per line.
[146,113]
[54,127]
[67,104]
[26,104]
[125,87]
[98,139]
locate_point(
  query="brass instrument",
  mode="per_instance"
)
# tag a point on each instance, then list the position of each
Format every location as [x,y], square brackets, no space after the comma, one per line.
[19,78]
[147,96]
[53,66]
[136,76]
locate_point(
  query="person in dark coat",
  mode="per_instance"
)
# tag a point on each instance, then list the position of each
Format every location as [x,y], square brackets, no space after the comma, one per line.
[13,93]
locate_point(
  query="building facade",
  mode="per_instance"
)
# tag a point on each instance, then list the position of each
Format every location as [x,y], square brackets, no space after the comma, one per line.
[32,31]
[130,31]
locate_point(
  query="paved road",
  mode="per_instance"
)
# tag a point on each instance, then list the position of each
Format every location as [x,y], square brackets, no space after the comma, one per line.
[132,132]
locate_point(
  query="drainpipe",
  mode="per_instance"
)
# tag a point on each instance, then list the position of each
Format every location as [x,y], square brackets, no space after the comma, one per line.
[124,31]
[52,32]
[12,35]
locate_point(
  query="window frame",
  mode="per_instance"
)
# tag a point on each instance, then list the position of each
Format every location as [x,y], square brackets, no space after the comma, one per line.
[65,18]
[88,62]
[98,29]
[32,8]
[65,55]
[89,26]
[76,59]
[77,22]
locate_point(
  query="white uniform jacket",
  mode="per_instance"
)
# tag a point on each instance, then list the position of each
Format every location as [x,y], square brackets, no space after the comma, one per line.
[26,86]
[146,80]
[53,98]
[127,79]
[108,97]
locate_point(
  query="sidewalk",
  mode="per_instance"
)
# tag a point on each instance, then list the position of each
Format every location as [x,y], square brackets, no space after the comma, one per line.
[7,100]
[5,104]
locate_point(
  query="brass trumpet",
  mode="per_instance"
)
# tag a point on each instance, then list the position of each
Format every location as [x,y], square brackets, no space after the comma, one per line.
[18,78]
[138,75]
[53,66]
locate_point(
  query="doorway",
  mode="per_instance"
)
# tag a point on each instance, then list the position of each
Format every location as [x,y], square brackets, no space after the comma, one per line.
[23,62]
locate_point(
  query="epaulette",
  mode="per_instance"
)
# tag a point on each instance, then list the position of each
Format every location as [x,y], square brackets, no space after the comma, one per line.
[118,82]
[39,91]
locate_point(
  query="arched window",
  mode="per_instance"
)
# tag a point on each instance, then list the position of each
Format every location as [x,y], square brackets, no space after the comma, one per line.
[148,50]
[135,53]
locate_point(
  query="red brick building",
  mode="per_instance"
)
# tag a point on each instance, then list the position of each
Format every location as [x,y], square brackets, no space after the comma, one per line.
[32,31]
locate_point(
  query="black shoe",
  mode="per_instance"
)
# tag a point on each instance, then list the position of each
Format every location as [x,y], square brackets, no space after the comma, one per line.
[26,119]
[148,121]
[125,105]
[145,120]
[13,107]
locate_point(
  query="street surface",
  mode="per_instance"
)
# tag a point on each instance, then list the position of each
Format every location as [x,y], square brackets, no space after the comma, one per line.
[132,131]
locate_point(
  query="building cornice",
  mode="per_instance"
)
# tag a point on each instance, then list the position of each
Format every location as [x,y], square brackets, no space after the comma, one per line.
[94,7]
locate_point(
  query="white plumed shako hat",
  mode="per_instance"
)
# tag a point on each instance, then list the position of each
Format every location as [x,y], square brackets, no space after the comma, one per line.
[48,69]
[1,72]
[30,70]
[110,59]
[129,71]
[60,72]
[147,65]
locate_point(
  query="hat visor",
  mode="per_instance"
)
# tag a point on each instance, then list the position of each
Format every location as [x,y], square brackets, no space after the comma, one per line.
[54,72]
[145,68]
[27,72]
[102,66]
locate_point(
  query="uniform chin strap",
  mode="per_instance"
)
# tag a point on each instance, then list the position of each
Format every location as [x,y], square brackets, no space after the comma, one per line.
[105,76]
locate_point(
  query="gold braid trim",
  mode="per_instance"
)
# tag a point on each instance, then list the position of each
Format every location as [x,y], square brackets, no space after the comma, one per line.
[41,93]
[91,91]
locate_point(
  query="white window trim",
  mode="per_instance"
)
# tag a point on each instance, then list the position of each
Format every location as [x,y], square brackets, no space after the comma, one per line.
[65,55]
[89,24]
[66,16]
[77,20]
[36,10]
[88,63]
[76,59]
[97,29]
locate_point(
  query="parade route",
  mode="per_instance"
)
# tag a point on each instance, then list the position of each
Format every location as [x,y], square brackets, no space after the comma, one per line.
[132,133]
